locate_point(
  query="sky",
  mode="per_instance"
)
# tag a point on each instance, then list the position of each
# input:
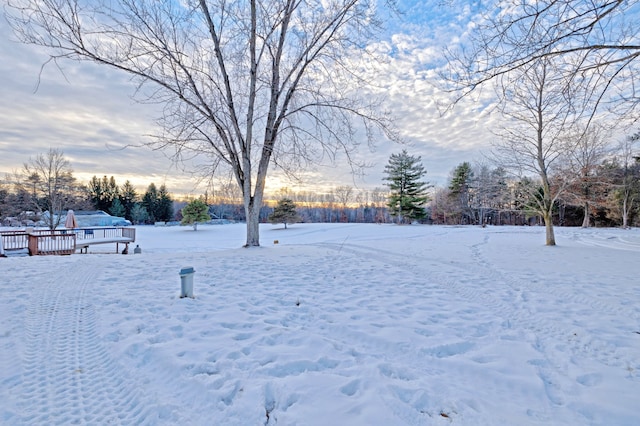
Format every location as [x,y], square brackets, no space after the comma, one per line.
[88,112]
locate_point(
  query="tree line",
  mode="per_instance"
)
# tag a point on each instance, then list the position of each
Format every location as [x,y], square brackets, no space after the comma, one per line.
[603,191]
[46,184]
[608,194]
[590,183]
[155,204]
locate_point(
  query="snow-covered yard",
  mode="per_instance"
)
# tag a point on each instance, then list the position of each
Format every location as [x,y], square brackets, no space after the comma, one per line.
[338,324]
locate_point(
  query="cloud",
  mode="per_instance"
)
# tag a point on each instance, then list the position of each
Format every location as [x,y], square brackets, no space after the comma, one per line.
[406,75]
[83,109]
[86,110]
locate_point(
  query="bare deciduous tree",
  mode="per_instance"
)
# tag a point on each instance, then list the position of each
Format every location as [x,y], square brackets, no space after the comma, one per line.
[50,184]
[628,190]
[594,46]
[489,191]
[540,112]
[379,197]
[344,194]
[443,206]
[246,83]
[598,41]
[586,151]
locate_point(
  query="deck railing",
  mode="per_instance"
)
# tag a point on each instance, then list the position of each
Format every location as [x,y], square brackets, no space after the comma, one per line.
[54,242]
[60,241]
[14,240]
[104,232]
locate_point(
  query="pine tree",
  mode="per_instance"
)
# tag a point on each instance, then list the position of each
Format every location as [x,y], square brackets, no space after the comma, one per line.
[150,202]
[408,194]
[285,212]
[96,193]
[128,198]
[102,192]
[194,212]
[461,179]
[460,186]
[165,205]
[117,209]
[139,214]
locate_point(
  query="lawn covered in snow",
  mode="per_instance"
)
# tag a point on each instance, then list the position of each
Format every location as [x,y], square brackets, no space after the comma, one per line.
[337,324]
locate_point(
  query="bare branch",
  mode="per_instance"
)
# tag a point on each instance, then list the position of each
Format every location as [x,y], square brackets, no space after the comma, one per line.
[236,79]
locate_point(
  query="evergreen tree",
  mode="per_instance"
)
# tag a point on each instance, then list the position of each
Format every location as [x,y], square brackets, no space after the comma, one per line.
[150,202]
[460,191]
[461,179]
[164,209]
[95,191]
[194,212]
[285,212]
[117,209]
[128,198]
[102,192]
[139,214]
[4,193]
[408,194]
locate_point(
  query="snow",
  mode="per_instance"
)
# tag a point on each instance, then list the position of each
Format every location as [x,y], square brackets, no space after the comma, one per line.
[351,324]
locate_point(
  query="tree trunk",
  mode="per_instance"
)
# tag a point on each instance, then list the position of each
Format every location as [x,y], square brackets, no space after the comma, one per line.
[253,204]
[547,212]
[548,224]
[252,212]
[587,213]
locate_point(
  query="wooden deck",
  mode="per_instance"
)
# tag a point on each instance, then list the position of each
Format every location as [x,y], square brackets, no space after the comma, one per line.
[65,241]
[92,236]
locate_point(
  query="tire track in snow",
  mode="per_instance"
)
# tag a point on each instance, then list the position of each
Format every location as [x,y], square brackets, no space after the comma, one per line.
[616,242]
[68,376]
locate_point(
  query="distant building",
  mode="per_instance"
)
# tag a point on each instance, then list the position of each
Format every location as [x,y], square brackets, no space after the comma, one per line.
[90,218]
